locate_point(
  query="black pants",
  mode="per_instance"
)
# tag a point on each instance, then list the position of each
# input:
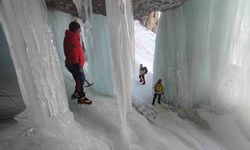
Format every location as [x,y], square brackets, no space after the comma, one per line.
[142,78]
[78,76]
[159,98]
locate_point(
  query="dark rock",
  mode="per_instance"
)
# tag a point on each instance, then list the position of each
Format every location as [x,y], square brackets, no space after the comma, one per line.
[10,106]
[140,7]
[67,6]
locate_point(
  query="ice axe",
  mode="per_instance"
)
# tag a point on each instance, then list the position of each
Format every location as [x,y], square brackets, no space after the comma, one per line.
[88,84]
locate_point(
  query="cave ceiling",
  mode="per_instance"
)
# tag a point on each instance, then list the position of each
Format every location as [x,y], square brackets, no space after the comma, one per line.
[140,7]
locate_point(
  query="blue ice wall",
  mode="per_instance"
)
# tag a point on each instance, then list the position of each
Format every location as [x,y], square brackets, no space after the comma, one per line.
[100,65]
[98,59]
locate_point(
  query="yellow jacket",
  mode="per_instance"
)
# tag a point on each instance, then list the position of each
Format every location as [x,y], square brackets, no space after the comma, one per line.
[159,88]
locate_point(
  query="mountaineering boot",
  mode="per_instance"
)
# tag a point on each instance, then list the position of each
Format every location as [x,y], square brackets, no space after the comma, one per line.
[140,80]
[84,100]
[159,102]
[143,83]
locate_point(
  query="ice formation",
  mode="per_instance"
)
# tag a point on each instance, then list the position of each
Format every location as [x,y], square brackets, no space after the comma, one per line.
[36,62]
[11,102]
[202,53]
[100,64]
[111,51]
[205,66]
[121,29]
[112,60]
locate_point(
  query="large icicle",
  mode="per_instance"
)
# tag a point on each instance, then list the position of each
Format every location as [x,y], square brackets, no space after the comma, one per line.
[84,8]
[120,27]
[36,61]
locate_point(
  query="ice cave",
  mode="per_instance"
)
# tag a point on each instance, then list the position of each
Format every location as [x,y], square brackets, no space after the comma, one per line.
[198,48]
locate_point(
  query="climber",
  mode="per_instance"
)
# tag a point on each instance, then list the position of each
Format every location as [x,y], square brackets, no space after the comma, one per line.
[158,89]
[142,72]
[74,61]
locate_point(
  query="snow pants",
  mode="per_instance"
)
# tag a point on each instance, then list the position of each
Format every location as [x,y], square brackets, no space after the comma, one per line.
[159,98]
[79,77]
[142,78]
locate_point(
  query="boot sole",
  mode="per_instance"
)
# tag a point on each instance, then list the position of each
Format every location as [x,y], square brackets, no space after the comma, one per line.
[87,103]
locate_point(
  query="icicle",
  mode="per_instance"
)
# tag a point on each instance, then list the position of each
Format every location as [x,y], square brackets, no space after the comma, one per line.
[118,13]
[84,8]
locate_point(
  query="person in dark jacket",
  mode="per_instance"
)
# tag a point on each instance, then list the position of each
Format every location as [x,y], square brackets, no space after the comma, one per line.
[142,72]
[74,61]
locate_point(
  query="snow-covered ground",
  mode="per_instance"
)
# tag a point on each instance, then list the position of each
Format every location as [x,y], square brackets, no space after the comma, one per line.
[148,127]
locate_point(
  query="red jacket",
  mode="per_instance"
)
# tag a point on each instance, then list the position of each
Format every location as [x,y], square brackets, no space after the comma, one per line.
[73,50]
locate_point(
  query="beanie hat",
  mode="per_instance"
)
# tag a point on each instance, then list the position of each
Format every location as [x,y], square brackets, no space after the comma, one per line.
[73,26]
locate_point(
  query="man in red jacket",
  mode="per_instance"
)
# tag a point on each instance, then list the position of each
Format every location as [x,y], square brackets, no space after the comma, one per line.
[74,61]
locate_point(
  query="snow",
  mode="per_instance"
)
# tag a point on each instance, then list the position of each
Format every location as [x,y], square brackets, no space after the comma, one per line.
[145,45]
[98,126]
[228,130]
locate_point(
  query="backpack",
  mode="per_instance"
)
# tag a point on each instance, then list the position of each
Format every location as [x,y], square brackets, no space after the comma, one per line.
[146,70]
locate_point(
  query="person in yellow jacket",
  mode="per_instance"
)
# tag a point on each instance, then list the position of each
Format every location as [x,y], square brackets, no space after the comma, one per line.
[159,90]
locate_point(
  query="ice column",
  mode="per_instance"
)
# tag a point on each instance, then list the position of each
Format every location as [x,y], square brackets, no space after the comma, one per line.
[170,62]
[120,27]
[100,57]
[35,59]
[214,63]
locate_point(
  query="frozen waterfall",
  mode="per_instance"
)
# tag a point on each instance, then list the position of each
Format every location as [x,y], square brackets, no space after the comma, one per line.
[37,55]
[202,53]
[110,63]
[36,61]
[120,21]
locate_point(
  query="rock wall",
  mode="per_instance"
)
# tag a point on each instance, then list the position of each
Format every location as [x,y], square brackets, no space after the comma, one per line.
[150,21]
[141,8]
